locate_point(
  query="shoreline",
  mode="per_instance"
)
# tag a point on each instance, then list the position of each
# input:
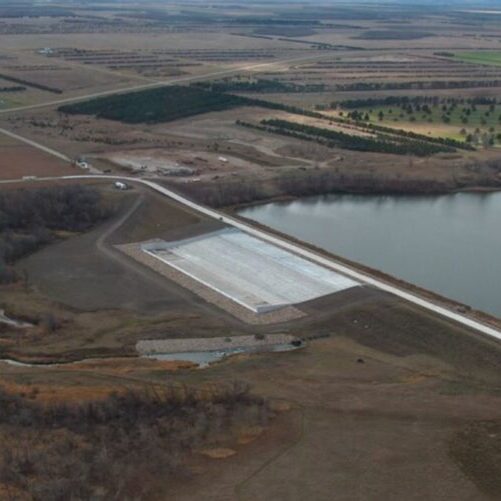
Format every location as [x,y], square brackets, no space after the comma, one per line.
[460,308]
[285,198]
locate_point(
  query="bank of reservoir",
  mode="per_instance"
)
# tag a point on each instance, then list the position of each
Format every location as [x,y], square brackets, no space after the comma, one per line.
[450,244]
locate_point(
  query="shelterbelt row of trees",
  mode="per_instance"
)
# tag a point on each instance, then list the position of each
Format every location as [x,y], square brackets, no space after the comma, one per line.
[359,121]
[28,83]
[13,88]
[257,85]
[419,84]
[336,139]
[412,100]
[31,218]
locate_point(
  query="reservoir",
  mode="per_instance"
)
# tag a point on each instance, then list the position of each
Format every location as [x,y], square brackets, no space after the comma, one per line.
[450,244]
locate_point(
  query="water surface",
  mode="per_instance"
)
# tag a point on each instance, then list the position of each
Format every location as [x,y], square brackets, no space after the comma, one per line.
[205,358]
[450,244]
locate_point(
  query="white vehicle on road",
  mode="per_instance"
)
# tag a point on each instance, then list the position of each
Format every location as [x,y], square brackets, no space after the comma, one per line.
[121,186]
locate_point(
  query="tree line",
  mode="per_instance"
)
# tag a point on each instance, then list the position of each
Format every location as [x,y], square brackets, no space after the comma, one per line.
[413,100]
[336,139]
[295,110]
[28,83]
[449,142]
[119,447]
[297,182]
[31,218]
[258,85]
[420,84]
[13,88]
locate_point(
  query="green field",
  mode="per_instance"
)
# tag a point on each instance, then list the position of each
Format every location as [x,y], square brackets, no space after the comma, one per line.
[481,57]
[6,102]
[13,99]
[454,122]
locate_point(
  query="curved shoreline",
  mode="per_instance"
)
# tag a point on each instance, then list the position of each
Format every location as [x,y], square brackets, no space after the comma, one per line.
[234,208]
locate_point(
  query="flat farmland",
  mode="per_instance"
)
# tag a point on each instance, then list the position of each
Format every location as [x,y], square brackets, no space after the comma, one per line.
[385,39]
[18,160]
[66,79]
[46,79]
[10,101]
[25,95]
[481,57]
[79,64]
[413,71]
[184,41]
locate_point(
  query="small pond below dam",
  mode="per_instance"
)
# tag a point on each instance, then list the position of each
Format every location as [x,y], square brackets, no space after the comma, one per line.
[450,244]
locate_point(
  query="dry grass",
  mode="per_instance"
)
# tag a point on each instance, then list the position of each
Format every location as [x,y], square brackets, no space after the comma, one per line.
[53,394]
[18,160]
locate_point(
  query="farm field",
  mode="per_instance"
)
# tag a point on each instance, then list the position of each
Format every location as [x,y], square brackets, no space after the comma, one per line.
[481,57]
[18,160]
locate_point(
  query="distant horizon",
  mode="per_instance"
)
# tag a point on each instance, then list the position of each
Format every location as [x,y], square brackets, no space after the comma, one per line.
[39,3]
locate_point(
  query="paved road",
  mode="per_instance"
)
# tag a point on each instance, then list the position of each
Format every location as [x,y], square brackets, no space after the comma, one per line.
[299,250]
[161,83]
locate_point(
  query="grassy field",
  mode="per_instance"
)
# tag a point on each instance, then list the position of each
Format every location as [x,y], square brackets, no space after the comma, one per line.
[452,123]
[20,160]
[9,101]
[481,57]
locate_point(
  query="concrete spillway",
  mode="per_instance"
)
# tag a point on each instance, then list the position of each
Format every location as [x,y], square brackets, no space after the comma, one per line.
[255,274]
